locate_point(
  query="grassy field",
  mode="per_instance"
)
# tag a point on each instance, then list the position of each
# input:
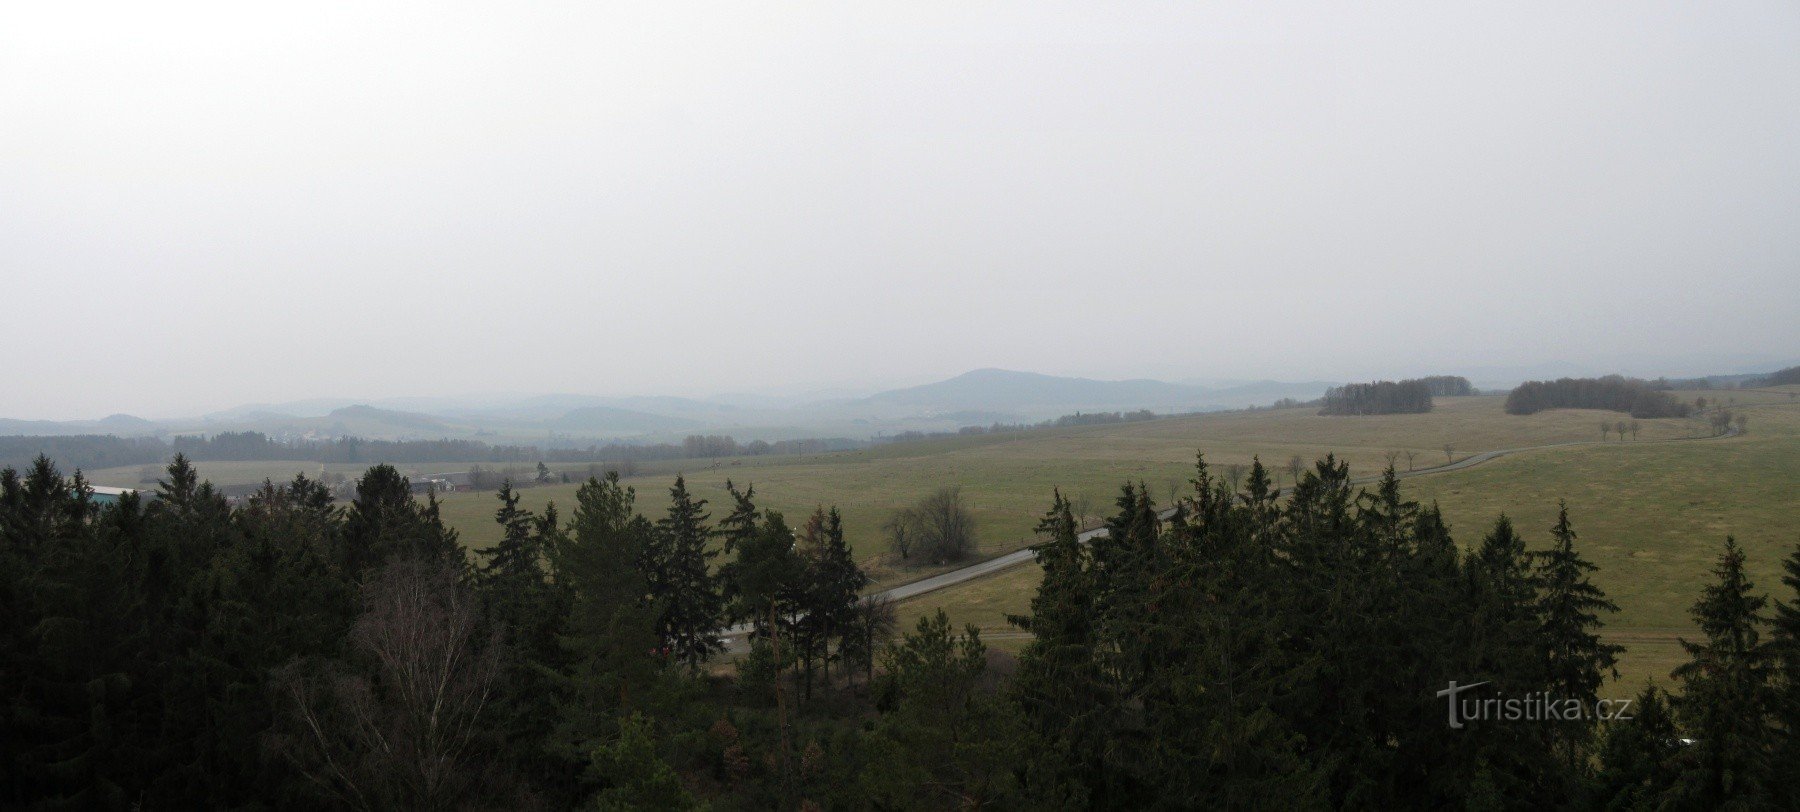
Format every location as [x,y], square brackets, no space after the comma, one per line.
[1652,515]
[1008,479]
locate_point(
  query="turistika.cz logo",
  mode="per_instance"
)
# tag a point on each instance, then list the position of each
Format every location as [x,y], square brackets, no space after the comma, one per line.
[1530,707]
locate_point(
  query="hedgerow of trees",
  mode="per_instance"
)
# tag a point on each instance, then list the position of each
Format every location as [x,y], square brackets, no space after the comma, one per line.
[1249,649]
[1613,393]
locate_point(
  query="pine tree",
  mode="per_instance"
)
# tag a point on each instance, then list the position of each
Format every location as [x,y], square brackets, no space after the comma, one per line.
[1728,699]
[1576,661]
[693,614]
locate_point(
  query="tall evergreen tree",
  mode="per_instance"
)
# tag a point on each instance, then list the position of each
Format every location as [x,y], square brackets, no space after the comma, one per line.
[1575,659]
[383,520]
[610,638]
[1501,648]
[528,611]
[694,609]
[1728,700]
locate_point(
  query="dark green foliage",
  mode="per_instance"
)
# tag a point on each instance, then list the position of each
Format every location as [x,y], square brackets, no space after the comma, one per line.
[1379,397]
[529,611]
[631,774]
[1252,649]
[385,524]
[1060,686]
[1642,756]
[943,742]
[1728,698]
[1569,606]
[679,566]
[825,597]
[1613,393]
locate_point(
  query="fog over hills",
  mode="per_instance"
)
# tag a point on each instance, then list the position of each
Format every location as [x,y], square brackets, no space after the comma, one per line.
[978,397]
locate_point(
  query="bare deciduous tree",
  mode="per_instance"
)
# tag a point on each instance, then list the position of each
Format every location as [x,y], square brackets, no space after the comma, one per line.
[1409,458]
[1393,458]
[1605,430]
[1295,465]
[1635,427]
[1449,454]
[1083,507]
[396,729]
[1234,473]
[899,529]
[940,527]
[1621,428]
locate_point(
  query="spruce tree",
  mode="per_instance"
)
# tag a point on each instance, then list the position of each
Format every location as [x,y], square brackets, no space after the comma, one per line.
[1060,684]
[837,584]
[383,522]
[693,614]
[528,610]
[610,637]
[1728,699]
[1500,646]
[1575,660]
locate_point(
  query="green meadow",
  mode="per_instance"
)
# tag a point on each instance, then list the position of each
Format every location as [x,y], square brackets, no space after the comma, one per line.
[1651,515]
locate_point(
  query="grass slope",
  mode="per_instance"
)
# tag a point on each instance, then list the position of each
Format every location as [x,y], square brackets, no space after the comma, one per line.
[1652,515]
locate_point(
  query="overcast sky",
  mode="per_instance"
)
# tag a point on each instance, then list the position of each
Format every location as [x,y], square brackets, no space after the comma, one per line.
[209,204]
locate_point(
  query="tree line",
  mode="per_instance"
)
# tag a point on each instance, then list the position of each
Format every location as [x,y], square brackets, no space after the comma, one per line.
[91,451]
[1379,397]
[1781,377]
[1255,648]
[1613,393]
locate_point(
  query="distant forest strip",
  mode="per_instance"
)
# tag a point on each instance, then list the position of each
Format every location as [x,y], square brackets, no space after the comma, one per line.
[1613,393]
[93,451]
[1784,377]
[1411,396]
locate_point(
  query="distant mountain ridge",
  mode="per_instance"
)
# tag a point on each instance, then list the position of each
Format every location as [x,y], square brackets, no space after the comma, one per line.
[977,397]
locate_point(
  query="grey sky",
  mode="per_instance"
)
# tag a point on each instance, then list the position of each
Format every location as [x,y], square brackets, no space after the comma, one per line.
[203,205]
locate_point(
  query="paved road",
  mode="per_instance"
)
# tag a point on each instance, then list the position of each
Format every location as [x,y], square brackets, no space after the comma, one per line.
[1018,557]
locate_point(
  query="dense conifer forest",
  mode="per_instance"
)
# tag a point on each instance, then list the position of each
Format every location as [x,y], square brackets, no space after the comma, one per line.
[1252,649]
